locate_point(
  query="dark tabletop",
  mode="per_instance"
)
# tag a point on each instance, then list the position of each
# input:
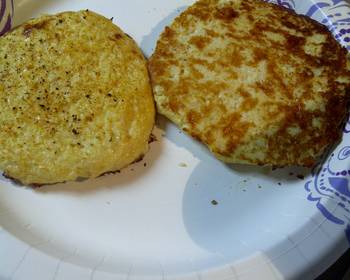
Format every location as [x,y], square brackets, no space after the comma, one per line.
[339,271]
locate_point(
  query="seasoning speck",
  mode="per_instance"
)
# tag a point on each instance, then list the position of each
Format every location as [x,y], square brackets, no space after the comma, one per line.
[279,183]
[182,164]
[301,177]
[214,202]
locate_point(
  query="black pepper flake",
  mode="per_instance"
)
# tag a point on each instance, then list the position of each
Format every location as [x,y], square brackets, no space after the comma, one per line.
[42,106]
[75,131]
[300,176]
[60,21]
[109,95]
[279,183]
[87,96]
[145,164]
[57,88]
[214,202]
[111,18]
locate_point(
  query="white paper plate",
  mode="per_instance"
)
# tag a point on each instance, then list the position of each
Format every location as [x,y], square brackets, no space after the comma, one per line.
[180,213]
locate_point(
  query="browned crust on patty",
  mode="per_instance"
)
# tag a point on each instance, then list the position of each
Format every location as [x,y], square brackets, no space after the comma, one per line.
[286,110]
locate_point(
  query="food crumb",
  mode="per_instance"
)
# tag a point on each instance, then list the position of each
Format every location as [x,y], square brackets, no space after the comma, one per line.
[259,187]
[182,164]
[301,177]
[152,138]
[214,202]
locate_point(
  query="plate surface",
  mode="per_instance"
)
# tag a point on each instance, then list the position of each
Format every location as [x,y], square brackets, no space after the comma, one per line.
[180,213]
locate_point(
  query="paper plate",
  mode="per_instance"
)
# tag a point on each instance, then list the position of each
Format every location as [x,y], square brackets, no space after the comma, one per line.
[180,213]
